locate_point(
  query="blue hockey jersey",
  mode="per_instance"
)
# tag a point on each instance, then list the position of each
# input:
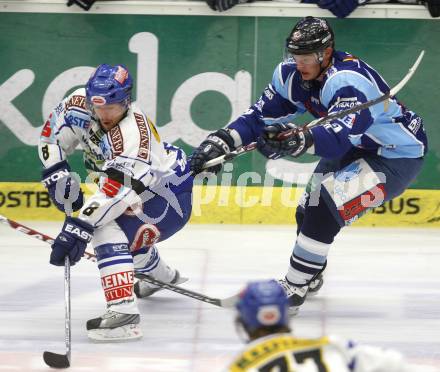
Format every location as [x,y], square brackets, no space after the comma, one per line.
[387,129]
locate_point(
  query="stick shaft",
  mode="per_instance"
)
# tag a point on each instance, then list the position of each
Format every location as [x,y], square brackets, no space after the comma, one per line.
[68,316]
[36,234]
[59,361]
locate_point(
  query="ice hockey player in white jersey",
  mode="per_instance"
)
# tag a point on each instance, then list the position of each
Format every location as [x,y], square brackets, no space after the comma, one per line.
[144,194]
[263,318]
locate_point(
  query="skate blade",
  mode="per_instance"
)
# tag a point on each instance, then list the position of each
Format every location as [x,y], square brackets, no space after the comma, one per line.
[293,311]
[181,280]
[126,333]
[147,292]
[311,294]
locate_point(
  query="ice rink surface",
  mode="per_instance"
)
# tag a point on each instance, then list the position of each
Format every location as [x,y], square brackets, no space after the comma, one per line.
[382,287]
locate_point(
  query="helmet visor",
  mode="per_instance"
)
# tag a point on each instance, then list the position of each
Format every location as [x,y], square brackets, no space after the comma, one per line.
[301,59]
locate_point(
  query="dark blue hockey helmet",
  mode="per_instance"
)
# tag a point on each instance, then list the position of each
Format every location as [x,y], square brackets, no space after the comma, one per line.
[109,84]
[310,35]
[263,304]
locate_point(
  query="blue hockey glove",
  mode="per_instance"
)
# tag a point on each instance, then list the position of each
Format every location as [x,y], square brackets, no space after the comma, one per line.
[62,187]
[340,8]
[71,241]
[222,5]
[279,140]
[217,144]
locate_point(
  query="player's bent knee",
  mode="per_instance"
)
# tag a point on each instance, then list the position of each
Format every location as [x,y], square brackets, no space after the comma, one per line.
[353,190]
[146,236]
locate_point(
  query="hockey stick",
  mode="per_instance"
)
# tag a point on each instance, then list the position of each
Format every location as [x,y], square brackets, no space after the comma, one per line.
[226,302]
[336,115]
[55,360]
[233,154]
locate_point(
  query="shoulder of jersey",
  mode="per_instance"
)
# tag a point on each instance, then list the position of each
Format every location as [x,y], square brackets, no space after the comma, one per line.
[290,342]
[133,135]
[76,100]
[76,114]
[144,122]
[345,61]
[286,69]
[271,345]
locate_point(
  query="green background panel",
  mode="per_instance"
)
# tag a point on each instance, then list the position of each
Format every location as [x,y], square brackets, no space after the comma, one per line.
[49,44]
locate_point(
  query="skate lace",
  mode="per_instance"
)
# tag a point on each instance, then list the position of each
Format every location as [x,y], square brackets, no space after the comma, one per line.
[287,287]
[292,290]
[110,314]
[113,319]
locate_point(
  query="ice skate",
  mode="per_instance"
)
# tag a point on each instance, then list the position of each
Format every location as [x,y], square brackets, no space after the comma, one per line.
[315,285]
[114,327]
[143,289]
[295,294]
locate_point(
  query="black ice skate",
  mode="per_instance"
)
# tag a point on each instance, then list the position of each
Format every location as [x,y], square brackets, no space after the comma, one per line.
[114,327]
[296,295]
[315,285]
[143,289]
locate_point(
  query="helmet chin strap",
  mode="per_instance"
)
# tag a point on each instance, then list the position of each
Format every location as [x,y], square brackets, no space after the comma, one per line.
[321,60]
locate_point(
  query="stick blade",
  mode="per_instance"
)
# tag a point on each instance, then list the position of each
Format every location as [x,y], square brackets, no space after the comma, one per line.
[56,360]
[229,302]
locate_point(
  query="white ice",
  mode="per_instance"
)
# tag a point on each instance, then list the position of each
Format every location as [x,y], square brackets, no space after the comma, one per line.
[382,287]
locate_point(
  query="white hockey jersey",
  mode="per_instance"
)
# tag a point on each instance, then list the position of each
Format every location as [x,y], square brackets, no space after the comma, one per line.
[132,150]
[285,353]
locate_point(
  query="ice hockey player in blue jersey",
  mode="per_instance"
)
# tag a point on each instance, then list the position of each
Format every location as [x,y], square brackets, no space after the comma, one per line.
[262,313]
[367,158]
[144,194]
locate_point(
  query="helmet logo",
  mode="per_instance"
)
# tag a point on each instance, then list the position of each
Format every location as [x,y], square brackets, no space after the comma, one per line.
[98,100]
[296,35]
[268,315]
[121,75]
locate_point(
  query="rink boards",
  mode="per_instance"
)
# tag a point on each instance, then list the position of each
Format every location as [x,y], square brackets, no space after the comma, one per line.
[236,205]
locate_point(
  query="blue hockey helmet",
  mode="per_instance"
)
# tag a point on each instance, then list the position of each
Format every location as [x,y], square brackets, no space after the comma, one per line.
[109,84]
[263,304]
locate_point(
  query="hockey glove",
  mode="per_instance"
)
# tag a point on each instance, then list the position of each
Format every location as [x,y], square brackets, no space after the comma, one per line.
[217,144]
[222,5]
[62,187]
[279,140]
[85,4]
[433,7]
[71,241]
[340,8]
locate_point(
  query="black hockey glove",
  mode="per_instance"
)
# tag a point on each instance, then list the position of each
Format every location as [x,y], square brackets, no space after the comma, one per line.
[85,4]
[71,241]
[216,144]
[62,187]
[433,7]
[279,140]
[222,5]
